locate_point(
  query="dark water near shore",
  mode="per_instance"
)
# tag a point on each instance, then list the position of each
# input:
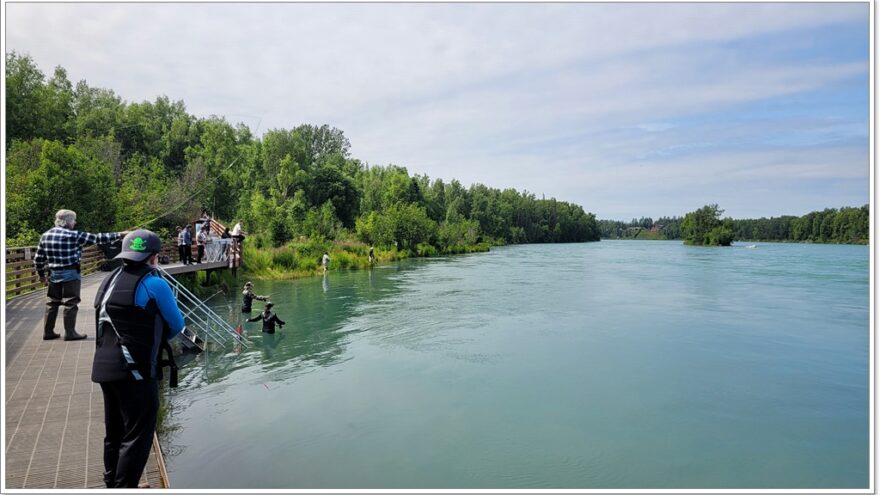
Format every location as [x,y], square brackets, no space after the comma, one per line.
[617,364]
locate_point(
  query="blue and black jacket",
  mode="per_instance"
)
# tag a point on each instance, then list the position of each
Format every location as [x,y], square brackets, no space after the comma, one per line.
[141,308]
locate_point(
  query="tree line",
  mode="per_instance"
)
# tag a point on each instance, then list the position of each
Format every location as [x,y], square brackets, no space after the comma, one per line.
[845,225]
[120,164]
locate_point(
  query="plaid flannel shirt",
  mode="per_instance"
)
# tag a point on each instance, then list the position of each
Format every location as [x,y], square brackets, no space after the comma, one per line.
[63,247]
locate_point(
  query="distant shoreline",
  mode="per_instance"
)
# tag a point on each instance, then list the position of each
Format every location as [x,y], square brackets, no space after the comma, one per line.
[860,243]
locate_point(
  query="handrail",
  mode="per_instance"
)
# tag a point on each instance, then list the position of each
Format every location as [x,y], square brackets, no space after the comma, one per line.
[203,320]
[234,252]
[203,317]
[21,276]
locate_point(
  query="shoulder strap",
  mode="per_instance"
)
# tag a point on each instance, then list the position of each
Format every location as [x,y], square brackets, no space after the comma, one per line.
[103,287]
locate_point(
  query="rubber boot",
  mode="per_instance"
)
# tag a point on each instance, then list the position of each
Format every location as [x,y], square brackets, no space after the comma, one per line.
[72,335]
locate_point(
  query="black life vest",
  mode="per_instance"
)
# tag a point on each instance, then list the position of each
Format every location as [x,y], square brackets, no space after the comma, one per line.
[142,331]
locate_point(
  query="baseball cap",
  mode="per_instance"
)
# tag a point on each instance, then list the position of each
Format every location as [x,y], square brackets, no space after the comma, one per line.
[139,245]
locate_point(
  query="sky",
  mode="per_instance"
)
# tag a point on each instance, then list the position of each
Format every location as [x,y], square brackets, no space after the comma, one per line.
[630,110]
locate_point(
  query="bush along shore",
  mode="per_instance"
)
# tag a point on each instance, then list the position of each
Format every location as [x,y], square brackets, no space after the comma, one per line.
[302,258]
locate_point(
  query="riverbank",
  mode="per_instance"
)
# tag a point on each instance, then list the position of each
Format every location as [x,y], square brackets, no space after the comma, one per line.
[655,236]
[303,258]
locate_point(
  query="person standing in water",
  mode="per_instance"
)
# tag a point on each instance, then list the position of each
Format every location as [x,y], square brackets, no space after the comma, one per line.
[248,296]
[269,319]
[372,256]
[325,261]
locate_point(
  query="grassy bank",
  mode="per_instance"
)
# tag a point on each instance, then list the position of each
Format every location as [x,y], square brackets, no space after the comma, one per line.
[302,258]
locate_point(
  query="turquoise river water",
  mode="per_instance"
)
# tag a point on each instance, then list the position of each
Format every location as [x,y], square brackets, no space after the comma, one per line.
[614,364]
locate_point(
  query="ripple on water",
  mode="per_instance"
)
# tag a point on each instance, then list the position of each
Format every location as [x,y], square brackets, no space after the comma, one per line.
[566,366]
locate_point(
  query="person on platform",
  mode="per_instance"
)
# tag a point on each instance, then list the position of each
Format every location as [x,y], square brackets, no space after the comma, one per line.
[59,251]
[136,314]
[202,239]
[180,245]
[187,246]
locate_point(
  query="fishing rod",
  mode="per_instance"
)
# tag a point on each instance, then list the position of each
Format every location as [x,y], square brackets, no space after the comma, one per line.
[188,199]
[209,182]
[203,301]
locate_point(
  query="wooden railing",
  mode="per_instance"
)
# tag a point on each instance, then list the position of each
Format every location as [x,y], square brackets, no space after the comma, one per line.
[21,276]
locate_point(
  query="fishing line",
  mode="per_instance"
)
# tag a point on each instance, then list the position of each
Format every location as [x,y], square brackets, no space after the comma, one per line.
[209,182]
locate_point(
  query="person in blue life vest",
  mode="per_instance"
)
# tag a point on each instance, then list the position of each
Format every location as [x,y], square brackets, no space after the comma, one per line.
[136,315]
[248,296]
[269,319]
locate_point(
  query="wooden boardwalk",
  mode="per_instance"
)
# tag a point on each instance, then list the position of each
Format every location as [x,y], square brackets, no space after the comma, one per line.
[54,413]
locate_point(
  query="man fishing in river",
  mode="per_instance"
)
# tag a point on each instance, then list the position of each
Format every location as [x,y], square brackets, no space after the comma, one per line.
[269,319]
[248,296]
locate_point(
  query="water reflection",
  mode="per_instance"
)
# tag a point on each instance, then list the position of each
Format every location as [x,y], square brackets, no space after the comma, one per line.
[270,343]
[313,335]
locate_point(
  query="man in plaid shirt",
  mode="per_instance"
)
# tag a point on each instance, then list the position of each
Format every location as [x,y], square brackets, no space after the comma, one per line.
[59,251]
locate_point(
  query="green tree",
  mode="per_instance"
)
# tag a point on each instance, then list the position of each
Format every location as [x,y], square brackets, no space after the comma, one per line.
[704,227]
[459,234]
[45,176]
[143,193]
[36,108]
[329,184]
[322,223]
[119,163]
[403,226]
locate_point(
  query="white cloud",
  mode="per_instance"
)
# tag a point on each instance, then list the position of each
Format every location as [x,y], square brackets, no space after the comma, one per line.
[535,96]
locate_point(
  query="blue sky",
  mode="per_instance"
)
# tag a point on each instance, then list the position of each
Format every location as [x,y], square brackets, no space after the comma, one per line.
[627,109]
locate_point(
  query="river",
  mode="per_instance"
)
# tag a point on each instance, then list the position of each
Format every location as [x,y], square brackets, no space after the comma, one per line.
[615,364]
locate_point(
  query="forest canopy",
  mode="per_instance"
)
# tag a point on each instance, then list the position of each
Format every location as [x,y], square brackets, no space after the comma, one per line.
[120,164]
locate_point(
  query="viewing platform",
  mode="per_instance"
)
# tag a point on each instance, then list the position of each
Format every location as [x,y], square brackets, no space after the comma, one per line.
[54,413]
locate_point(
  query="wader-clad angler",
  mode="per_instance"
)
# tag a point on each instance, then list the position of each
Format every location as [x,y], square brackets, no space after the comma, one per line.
[136,314]
[59,251]
[248,296]
[269,319]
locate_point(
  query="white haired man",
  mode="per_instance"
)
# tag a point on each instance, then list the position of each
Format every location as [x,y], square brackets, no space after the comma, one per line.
[59,252]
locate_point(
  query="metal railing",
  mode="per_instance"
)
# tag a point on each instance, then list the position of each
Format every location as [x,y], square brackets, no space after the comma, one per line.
[217,250]
[200,318]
